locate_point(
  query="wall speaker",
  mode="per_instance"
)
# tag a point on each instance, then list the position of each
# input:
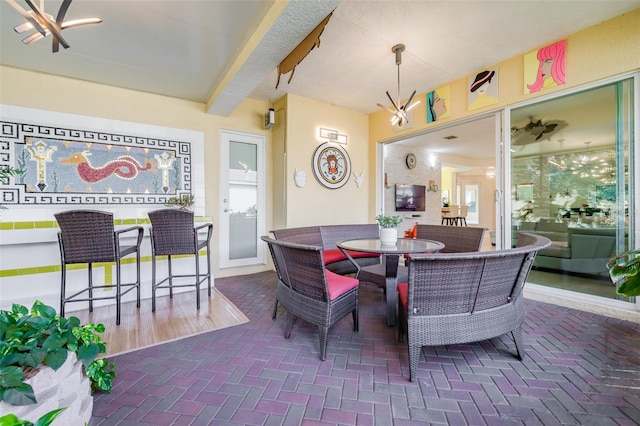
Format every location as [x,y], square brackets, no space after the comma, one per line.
[269,118]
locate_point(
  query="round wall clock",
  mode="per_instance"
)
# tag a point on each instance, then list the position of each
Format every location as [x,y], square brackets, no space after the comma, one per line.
[331,165]
[411,160]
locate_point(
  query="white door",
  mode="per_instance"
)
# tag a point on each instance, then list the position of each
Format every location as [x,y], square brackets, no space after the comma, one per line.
[242,192]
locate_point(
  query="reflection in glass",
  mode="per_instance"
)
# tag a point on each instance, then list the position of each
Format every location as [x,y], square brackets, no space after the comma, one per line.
[571,185]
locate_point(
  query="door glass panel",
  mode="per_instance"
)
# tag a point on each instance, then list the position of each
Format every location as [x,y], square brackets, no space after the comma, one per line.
[471,200]
[243,200]
[570,183]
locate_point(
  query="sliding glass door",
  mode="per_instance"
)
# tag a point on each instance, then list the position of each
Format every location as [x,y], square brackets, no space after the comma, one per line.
[571,168]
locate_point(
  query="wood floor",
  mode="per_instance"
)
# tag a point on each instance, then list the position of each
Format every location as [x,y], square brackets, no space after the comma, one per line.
[174,319]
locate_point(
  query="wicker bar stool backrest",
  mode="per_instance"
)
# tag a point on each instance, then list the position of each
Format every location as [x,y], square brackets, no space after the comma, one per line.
[455,239]
[86,236]
[172,232]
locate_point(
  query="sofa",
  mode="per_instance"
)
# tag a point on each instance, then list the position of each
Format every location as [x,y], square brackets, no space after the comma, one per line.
[551,228]
[586,251]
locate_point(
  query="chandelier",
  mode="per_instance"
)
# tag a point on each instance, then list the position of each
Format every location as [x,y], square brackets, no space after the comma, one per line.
[591,166]
[44,24]
[399,111]
[491,172]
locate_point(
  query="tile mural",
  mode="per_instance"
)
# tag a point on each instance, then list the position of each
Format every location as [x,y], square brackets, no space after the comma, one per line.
[72,166]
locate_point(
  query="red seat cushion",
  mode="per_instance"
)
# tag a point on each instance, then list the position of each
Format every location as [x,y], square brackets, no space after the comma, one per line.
[336,255]
[403,295]
[339,284]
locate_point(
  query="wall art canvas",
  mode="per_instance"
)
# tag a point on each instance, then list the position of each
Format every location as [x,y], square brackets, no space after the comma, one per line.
[545,67]
[482,89]
[438,104]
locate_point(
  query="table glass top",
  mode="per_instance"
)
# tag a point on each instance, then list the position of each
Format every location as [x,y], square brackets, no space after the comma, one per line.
[402,246]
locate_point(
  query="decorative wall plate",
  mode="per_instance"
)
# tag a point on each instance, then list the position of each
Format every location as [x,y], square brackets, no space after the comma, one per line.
[411,160]
[331,165]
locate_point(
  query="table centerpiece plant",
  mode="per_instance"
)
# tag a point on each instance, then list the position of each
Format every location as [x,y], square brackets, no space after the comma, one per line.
[38,342]
[185,201]
[388,228]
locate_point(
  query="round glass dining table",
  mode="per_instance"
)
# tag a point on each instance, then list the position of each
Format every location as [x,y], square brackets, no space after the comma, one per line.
[389,268]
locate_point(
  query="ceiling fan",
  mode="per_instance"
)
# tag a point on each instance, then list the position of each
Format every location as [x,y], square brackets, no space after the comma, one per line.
[44,24]
[535,131]
[400,111]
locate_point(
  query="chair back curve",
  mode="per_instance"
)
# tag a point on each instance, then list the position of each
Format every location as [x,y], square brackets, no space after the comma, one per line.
[300,267]
[456,298]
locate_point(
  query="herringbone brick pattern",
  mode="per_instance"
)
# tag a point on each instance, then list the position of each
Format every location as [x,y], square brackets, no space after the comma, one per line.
[580,369]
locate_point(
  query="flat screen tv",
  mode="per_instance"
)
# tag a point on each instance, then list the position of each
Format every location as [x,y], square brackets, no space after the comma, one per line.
[410,198]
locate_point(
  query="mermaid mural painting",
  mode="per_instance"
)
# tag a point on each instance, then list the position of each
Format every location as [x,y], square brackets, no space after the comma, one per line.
[545,67]
[65,166]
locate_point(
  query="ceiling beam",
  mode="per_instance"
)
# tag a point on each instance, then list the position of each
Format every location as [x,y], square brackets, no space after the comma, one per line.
[286,24]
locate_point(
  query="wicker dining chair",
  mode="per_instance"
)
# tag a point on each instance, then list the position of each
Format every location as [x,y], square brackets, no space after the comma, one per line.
[309,291]
[89,236]
[460,298]
[173,233]
[455,240]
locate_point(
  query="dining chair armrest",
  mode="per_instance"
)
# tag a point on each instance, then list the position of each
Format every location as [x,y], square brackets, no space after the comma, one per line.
[209,227]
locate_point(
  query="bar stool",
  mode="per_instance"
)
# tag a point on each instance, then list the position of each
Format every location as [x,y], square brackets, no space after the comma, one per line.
[462,217]
[173,233]
[89,236]
[450,216]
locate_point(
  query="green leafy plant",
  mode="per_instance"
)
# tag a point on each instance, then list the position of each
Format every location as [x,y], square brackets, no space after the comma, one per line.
[624,271]
[45,420]
[6,172]
[31,338]
[388,221]
[184,202]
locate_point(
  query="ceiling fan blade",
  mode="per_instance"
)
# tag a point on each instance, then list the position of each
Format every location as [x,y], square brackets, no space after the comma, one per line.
[388,109]
[51,26]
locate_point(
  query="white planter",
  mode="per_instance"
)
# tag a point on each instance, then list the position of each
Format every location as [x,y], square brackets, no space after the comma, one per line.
[66,387]
[388,236]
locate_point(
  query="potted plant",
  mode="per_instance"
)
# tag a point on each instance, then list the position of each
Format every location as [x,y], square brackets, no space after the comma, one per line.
[45,420]
[388,228]
[45,358]
[624,271]
[184,202]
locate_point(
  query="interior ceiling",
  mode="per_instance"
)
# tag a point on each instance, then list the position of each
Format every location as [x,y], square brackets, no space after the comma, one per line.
[203,51]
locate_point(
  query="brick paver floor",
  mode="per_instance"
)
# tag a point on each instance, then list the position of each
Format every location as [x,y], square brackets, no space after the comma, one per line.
[580,369]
